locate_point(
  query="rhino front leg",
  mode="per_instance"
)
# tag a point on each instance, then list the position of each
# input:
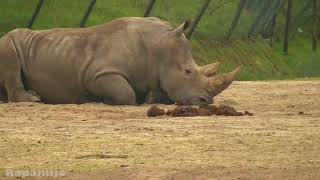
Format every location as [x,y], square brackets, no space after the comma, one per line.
[158,97]
[10,73]
[113,90]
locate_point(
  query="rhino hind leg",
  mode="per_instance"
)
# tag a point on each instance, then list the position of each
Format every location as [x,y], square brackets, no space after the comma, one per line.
[112,89]
[10,73]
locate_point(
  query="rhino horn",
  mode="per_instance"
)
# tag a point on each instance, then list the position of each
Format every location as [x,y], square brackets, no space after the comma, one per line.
[219,83]
[181,29]
[210,69]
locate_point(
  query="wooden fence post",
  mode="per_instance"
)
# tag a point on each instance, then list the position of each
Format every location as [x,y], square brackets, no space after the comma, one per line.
[273,29]
[288,23]
[236,18]
[35,14]
[149,8]
[300,19]
[198,18]
[315,25]
[87,13]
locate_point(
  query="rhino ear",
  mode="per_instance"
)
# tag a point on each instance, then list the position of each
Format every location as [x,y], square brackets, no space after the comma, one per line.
[181,29]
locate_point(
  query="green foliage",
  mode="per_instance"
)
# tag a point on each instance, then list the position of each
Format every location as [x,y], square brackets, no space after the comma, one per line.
[259,60]
[301,59]
[208,42]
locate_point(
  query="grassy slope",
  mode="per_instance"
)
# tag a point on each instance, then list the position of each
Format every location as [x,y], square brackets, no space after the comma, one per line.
[301,58]
[261,62]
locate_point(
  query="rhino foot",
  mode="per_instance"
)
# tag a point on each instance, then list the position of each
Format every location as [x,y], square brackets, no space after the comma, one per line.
[24,96]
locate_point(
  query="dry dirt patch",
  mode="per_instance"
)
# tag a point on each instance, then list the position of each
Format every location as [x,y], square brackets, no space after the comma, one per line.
[121,141]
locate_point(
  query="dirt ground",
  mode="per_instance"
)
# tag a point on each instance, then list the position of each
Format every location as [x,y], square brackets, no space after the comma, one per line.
[281,140]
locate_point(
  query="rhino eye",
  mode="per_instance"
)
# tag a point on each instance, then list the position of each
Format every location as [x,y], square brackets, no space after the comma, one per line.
[188,71]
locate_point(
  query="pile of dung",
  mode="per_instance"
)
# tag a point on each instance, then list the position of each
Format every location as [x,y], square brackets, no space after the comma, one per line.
[202,110]
[155,111]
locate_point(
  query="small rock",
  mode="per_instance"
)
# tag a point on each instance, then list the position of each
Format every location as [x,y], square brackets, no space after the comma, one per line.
[301,113]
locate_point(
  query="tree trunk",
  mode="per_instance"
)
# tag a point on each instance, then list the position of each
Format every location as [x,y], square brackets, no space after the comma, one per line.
[198,18]
[273,29]
[236,18]
[300,20]
[256,22]
[262,21]
[219,6]
[87,13]
[315,26]
[35,14]
[287,29]
[149,8]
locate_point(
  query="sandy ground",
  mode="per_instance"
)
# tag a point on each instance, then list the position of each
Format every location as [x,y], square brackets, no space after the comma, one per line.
[121,142]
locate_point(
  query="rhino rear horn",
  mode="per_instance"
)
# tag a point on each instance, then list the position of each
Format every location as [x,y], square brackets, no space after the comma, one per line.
[220,83]
[210,69]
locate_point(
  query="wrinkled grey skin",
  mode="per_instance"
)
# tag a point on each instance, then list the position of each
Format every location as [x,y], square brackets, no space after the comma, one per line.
[120,62]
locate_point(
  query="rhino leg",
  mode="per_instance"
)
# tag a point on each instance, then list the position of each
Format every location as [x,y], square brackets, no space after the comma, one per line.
[158,97]
[3,96]
[10,73]
[113,89]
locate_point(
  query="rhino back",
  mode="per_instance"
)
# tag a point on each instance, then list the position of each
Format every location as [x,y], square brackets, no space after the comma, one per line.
[59,63]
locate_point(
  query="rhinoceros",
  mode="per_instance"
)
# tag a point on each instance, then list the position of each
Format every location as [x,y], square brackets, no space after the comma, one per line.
[127,61]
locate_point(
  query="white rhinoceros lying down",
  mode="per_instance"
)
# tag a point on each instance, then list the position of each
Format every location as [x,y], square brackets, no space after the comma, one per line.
[126,61]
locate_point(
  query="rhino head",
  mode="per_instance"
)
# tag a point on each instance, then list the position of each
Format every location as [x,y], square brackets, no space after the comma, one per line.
[181,78]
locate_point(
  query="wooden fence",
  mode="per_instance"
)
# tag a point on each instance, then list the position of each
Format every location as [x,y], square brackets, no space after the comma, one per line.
[194,23]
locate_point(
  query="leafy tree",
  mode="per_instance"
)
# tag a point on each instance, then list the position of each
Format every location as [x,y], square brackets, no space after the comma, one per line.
[297,13]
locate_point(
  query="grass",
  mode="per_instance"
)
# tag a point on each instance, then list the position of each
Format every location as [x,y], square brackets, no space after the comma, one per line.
[301,58]
[209,45]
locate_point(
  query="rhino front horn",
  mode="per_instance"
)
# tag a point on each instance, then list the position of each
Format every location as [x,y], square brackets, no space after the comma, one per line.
[219,83]
[210,69]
